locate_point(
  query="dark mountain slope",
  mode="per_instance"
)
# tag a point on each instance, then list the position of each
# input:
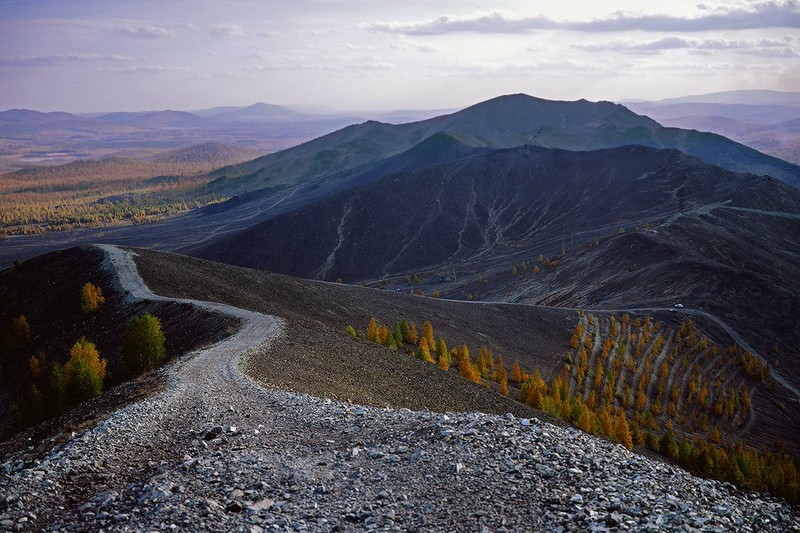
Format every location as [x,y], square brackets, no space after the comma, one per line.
[506,121]
[469,207]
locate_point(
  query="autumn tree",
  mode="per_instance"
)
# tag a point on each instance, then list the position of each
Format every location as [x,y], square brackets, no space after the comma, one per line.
[143,344]
[372,330]
[466,368]
[91,298]
[442,355]
[84,372]
[621,430]
[424,352]
[413,336]
[501,377]
[516,372]
[350,330]
[427,332]
[17,336]
[37,364]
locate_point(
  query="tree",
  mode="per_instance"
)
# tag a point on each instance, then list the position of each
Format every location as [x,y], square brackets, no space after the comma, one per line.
[350,331]
[427,333]
[91,298]
[84,372]
[621,431]
[19,335]
[516,372]
[605,421]
[465,367]
[372,330]
[413,336]
[37,364]
[667,444]
[143,344]
[424,352]
[501,376]
[442,355]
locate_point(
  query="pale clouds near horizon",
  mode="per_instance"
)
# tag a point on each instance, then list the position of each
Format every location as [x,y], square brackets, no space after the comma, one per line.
[93,55]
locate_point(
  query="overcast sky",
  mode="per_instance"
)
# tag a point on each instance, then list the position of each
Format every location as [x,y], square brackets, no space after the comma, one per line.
[98,55]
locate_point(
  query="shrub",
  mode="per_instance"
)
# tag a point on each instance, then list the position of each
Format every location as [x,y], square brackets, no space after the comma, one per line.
[142,344]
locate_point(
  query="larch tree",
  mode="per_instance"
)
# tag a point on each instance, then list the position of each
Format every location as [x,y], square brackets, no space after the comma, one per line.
[424,352]
[427,332]
[372,330]
[516,372]
[622,431]
[413,336]
[442,355]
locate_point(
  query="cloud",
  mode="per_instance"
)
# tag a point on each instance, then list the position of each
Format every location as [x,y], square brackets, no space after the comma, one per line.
[51,59]
[144,32]
[771,14]
[226,30]
[143,68]
[780,48]
[413,47]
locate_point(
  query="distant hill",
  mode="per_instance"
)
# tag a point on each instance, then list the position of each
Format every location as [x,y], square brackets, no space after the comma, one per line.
[210,153]
[765,127]
[168,119]
[259,112]
[502,122]
[752,97]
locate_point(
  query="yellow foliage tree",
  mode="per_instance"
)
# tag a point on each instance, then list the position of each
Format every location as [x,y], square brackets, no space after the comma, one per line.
[442,355]
[516,372]
[424,352]
[413,335]
[84,372]
[427,333]
[622,431]
[465,367]
[91,298]
[372,330]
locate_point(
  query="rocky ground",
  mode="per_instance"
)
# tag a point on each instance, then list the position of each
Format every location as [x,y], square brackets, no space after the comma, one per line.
[219,452]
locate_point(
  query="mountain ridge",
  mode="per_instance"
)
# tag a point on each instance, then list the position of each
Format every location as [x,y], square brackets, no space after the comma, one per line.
[501,122]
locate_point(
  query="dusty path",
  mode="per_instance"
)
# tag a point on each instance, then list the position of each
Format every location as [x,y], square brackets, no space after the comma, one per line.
[218,452]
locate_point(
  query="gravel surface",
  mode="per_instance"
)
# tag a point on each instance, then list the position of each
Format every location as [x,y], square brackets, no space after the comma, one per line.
[218,452]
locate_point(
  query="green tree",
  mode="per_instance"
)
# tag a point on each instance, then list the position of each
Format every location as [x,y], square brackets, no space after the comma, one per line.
[142,344]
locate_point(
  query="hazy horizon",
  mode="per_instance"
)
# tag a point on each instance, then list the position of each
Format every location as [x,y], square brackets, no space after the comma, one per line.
[347,55]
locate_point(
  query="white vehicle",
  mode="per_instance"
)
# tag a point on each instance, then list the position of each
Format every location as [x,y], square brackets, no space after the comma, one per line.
[678,306]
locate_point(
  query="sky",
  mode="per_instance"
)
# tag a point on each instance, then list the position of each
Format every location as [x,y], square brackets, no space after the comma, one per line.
[136,55]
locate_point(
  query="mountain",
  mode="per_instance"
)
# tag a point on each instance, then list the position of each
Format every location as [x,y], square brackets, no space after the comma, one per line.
[259,112]
[753,97]
[120,117]
[488,210]
[506,121]
[35,125]
[765,127]
[168,119]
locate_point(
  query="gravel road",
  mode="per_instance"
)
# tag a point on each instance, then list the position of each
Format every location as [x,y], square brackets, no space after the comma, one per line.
[218,452]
